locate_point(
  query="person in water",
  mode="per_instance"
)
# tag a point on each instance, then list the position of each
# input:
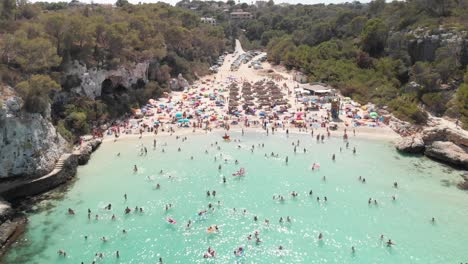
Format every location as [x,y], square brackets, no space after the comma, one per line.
[135,169]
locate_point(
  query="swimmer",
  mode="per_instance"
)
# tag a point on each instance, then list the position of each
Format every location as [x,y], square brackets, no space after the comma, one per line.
[224,179]
[353,250]
[124,231]
[103,239]
[208,193]
[333,157]
[236,162]
[213,193]
[320,236]
[118,154]
[311,192]
[70,211]
[288,219]
[158,186]
[287,159]
[318,199]
[135,169]
[325,198]
[369,201]
[281,220]
[390,243]
[354,150]
[127,210]
[395,185]
[324,178]
[433,220]
[117,254]
[113,217]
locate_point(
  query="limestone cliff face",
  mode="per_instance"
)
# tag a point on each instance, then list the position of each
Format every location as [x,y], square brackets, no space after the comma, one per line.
[29,143]
[91,82]
[423,43]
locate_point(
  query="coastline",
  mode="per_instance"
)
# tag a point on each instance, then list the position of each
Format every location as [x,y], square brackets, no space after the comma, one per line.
[377,134]
[13,221]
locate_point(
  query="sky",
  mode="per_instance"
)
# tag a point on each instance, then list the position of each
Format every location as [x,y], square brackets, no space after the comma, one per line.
[173,2]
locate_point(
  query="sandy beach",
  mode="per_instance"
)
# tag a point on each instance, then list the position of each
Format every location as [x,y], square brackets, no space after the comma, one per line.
[217,87]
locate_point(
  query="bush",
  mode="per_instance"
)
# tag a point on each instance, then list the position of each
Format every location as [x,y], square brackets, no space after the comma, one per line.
[404,108]
[66,134]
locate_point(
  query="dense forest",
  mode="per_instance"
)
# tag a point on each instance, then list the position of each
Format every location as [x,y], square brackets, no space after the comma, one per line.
[405,55]
[39,42]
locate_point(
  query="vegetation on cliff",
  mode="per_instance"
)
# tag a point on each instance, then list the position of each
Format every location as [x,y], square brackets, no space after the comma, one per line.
[39,42]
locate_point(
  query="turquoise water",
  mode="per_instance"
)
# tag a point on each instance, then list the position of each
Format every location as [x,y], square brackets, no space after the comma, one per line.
[426,190]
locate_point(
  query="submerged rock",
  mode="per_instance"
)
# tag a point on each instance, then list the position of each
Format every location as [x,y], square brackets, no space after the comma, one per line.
[464,184]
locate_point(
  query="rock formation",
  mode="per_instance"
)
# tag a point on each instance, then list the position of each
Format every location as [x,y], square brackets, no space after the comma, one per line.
[89,82]
[441,142]
[411,144]
[178,84]
[29,143]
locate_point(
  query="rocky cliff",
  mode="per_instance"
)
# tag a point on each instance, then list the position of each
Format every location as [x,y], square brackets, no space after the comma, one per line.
[424,42]
[29,143]
[91,82]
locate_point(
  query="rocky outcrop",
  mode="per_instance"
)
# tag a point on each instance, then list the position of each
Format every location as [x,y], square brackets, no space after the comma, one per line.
[29,144]
[411,144]
[448,152]
[90,82]
[178,84]
[440,142]
[84,152]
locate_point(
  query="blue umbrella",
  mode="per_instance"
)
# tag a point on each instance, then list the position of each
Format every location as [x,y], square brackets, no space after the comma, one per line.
[183,120]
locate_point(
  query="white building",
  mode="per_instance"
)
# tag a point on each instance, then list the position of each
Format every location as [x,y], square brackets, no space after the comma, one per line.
[208,20]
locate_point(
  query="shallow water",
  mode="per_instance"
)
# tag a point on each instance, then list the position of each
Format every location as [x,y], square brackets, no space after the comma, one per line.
[426,190]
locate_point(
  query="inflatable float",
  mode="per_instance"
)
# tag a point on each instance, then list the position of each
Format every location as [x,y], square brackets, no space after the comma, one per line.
[212,229]
[315,166]
[226,137]
[240,252]
[240,172]
[171,221]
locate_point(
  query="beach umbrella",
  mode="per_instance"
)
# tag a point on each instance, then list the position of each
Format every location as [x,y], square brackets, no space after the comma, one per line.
[183,120]
[374,115]
[178,115]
